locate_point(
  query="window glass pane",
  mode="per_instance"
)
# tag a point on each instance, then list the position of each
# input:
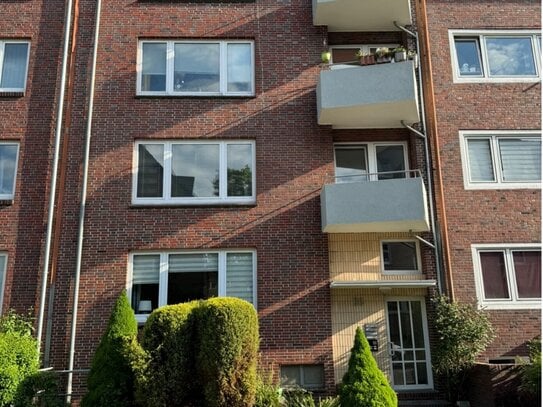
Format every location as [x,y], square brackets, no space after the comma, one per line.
[240,172]
[390,159]
[528,273]
[145,276]
[480,160]
[397,374]
[239,276]
[195,170]
[196,67]
[520,159]
[150,170]
[14,68]
[153,72]
[351,164]
[405,322]
[192,276]
[494,277]
[239,68]
[290,376]
[418,331]
[8,160]
[510,56]
[422,374]
[400,256]
[313,375]
[468,56]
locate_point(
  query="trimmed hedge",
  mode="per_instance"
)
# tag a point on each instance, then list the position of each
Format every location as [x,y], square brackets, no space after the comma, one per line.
[226,360]
[111,379]
[364,385]
[168,377]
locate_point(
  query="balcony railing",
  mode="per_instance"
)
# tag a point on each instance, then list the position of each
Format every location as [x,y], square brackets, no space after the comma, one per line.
[373,96]
[376,204]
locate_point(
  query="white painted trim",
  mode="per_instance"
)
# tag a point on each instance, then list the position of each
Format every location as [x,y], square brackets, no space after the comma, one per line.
[426,336]
[166,199]
[492,135]
[163,273]
[2,46]
[480,35]
[383,284]
[223,66]
[401,272]
[501,304]
[11,195]
[3,279]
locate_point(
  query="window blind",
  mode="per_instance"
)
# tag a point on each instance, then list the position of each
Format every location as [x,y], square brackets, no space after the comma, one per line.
[145,269]
[520,159]
[193,262]
[239,276]
[480,160]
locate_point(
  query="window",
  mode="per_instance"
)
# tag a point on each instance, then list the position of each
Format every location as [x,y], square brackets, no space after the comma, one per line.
[194,172]
[501,159]
[157,279]
[400,257]
[196,68]
[306,376]
[508,276]
[13,65]
[8,169]
[495,56]
[3,265]
[346,53]
[370,161]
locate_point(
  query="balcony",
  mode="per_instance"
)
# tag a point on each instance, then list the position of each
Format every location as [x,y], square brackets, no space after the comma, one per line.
[374,96]
[361,15]
[385,205]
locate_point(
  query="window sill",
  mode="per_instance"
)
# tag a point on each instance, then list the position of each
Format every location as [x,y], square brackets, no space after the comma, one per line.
[503,306]
[504,186]
[496,80]
[206,96]
[139,205]
[4,94]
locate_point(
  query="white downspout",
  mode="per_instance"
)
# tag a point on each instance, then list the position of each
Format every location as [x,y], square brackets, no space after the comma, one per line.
[53,187]
[82,207]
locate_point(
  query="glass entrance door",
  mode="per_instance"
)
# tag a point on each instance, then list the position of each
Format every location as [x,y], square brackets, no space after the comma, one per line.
[408,344]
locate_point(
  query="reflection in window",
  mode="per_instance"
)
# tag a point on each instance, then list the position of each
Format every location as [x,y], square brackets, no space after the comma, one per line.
[8,169]
[196,68]
[510,56]
[13,60]
[153,71]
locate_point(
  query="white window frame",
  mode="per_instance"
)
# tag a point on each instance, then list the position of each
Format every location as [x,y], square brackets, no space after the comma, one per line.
[2,47]
[3,273]
[493,136]
[480,36]
[513,302]
[170,53]
[163,273]
[301,368]
[166,199]
[11,196]
[401,272]
[371,150]
[363,47]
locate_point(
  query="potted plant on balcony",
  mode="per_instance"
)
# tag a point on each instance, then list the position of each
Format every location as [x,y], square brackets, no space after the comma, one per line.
[383,55]
[365,58]
[326,56]
[400,54]
[412,55]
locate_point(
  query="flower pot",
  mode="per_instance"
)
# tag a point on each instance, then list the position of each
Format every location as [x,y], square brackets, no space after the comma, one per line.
[367,60]
[384,59]
[400,56]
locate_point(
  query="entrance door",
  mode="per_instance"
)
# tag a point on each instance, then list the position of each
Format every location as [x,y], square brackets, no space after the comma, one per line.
[408,344]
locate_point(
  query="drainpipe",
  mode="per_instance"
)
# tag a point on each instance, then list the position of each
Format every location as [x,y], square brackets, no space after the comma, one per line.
[432,116]
[423,134]
[82,207]
[53,186]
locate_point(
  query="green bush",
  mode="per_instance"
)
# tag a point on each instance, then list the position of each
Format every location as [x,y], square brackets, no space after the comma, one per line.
[111,379]
[530,376]
[268,394]
[364,385]
[227,356]
[39,389]
[463,333]
[167,377]
[18,355]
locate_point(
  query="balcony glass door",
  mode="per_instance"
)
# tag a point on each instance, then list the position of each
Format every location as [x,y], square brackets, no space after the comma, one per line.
[351,163]
[408,344]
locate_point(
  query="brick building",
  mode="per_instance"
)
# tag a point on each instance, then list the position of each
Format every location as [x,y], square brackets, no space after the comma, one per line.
[329,195]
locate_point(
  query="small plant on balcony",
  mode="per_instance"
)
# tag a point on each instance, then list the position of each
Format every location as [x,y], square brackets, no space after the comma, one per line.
[365,58]
[412,55]
[326,56]
[400,54]
[383,55]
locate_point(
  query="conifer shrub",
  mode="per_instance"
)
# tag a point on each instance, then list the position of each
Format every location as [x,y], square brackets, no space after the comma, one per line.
[111,379]
[18,355]
[167,377]
[364,385]
[227,354]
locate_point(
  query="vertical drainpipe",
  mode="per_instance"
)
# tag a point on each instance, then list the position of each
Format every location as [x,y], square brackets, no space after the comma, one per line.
[433,131]
[53,185]
[80,233]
